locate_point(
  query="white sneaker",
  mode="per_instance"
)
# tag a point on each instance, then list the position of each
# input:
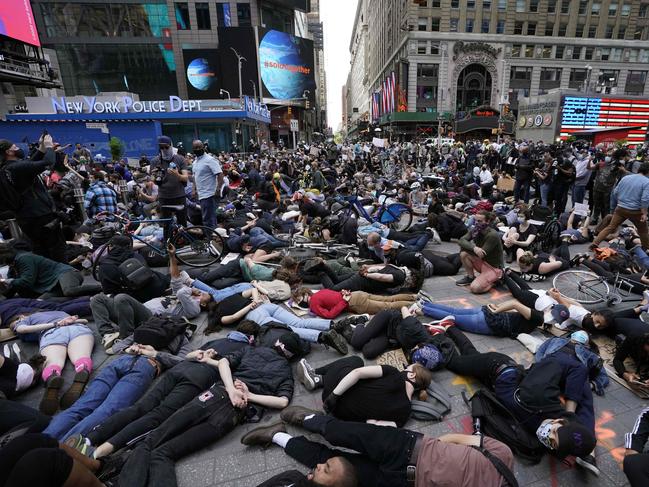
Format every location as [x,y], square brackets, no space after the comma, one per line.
[109,339]
[645,295]
[445,319]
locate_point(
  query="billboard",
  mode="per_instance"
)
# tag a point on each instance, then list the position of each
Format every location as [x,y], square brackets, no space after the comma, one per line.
[242,40]
[202,72]
[286,65]
[17,21]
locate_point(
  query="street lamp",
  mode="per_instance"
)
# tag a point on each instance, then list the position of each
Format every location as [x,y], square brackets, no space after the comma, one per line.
[221,91]
[254,89]
[240,58]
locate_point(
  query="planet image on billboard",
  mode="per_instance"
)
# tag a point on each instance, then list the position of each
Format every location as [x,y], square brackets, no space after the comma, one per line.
[283,70]
[200,74]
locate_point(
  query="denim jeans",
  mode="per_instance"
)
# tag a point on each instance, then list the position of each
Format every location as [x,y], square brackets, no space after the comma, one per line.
[545,192]
[220,294]
[259,237]
[578,193]
[307,328]
[641,257]
[117,386]
[466,319]
[208,211]
[419,242]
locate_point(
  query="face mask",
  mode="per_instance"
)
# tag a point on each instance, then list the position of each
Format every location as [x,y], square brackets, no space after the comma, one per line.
[429,201]
[198,152]
[20,154]
[521,220]
[607,159]
[543,434]
[167,153]
[480,226]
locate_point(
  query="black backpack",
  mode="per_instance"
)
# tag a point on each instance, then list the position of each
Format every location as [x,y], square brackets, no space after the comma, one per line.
[540,389]
[135,274]
[498,422]
[159,331]
[10,198]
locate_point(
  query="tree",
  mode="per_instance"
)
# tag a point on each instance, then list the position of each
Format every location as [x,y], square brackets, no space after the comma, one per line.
[116,148]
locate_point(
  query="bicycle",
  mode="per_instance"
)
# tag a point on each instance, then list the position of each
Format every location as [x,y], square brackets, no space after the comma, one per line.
[397,216]
[301,247]
[588,288]
[196,246]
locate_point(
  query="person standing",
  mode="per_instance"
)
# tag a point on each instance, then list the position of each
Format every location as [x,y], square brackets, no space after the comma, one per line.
[632,197]
[208,179]
[524,173]
[171,176]
[37,213]
[81,152]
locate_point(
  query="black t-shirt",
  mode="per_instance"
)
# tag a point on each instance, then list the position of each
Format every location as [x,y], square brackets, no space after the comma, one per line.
[313,209]
[398,274]
[630,327]
[522,235]
[383,398]
[170,186]
[231,305]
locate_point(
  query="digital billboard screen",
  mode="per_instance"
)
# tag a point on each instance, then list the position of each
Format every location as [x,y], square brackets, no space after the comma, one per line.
[286,65]
[242,40]
[17,21]
[202,71]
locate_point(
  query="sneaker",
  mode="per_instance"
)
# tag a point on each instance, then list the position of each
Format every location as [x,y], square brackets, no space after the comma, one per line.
[435,329]
[307,376]
[343,323]
[533,277]
[425,296]
[414,309]
[111,466]
[295,415]
[361,320]
[332,339]
[645,295]
[81,444]
[75,390]
[348,333]
[445,322]
[588,463]
[50,401]
[109,339]
[465,281]
[263,436]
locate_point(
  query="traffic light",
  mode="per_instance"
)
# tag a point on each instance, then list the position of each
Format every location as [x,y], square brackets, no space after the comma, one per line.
[505,109]
[290,111]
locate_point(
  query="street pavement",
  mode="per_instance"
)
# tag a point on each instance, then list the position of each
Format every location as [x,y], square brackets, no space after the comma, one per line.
[228,463]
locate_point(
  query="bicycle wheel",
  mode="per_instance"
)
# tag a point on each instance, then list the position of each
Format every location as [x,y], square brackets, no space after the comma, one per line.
[397,216]
[551,237]
[582,286]
[198,246]
[96,257]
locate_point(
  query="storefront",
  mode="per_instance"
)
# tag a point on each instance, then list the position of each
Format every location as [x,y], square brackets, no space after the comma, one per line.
[92,121]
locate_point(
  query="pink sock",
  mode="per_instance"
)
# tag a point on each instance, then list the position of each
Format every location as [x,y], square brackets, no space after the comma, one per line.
[83,363]
[49,371]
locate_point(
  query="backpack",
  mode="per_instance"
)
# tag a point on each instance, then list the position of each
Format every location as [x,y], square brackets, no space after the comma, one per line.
[11,199]
[498,422]
[135,274]
[435,407]
[159,331]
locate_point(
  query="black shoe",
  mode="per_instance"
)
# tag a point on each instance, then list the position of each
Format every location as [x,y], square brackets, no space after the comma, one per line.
[348,333]
[111,466]
[343,323]
[50,401]
[307,376]
[465,281]
[295,414]
[332,339]
[75,390]
[588,463]
[263,436]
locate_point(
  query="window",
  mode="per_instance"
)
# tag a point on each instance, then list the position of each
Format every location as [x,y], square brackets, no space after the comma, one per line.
[616,54]
[550,79]
[534,5]
[502,5]
[595,8]
[612,10]
[608,78]
[516,50]
[469,25]
[547,52]
[579,31]
[643,10]
[485,27]
[644,55]
[203,16]
[637,35]
[576,53]
[531,28]
[520,5]
[605,54]
[621,32]
[455,3]
[436,4]
[633,55]
[422,24]
[454,23]
[635,82]
[549,29]
[559,52]
[565,7]
[223,14]
[562,30]
[470,4]
[518,28]
[422,47]
[592,31]
[520,73]
[182,16]
[589,53]
[552,6]
[434,24]
[529,51]
[609,32]
[243,14]
[583,5]
[434,49]
[486,4]
[577,78]
[500,27]
[626,10]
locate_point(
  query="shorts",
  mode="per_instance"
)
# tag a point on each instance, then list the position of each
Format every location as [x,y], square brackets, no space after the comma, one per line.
[63,336]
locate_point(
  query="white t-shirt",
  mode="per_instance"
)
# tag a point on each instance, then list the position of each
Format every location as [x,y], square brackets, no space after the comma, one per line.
[577,314]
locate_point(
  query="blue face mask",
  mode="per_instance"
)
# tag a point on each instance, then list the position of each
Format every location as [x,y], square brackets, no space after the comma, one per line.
[521,220]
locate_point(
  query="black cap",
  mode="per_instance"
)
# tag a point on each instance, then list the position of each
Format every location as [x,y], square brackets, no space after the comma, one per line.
[291,343]
[575,439]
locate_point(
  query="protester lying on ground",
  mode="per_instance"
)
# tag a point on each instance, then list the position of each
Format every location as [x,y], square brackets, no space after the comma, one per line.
[544,264]
[382,278]
[16,374]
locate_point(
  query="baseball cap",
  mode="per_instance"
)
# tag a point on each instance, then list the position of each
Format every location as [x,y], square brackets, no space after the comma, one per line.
[163,139]
[575,439]
[560,313]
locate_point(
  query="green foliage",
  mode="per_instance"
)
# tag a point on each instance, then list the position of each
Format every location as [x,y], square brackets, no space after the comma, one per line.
[116,148]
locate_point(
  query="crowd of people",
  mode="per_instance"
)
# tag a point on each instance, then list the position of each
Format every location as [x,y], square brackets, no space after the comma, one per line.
[160,396]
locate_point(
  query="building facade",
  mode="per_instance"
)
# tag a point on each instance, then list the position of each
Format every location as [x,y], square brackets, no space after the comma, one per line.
[451,57]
